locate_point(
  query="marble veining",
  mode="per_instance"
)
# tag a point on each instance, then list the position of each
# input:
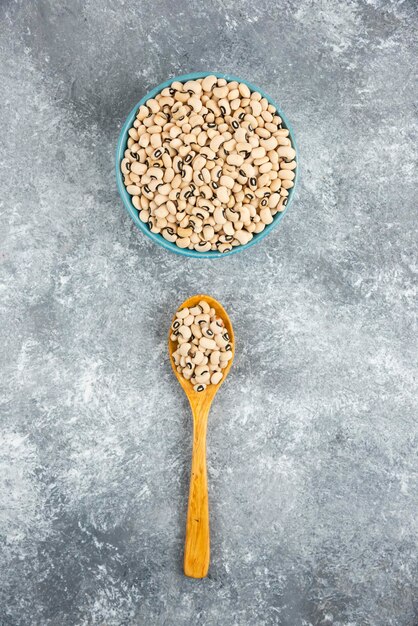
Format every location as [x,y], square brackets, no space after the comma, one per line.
[312,443]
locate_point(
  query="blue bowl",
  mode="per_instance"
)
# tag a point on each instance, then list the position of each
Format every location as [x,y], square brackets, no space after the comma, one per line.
[126,198]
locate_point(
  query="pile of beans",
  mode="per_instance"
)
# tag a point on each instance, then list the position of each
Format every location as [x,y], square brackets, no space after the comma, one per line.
[208,164]
[204,347]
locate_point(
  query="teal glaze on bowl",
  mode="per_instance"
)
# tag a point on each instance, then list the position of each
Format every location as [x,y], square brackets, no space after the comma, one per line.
[126,198]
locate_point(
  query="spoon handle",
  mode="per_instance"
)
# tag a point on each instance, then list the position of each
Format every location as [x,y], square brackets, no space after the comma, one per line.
[197,548]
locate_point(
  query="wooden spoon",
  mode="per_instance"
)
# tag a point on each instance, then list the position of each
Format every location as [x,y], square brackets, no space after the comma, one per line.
[197,548]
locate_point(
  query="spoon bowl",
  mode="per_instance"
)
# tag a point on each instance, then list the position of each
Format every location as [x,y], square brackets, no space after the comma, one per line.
[197,546]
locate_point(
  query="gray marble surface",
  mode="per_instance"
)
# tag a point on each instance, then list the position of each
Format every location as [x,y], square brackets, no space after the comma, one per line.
[312,444]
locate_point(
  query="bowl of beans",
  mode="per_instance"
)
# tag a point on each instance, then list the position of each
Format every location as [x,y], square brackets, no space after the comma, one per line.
[206,165]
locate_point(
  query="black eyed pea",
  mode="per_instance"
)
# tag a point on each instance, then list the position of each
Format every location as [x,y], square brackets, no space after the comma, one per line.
[183,242]
[138,168]
[220,92]
[216,142]
[269,144]
[183,313]
[207,343]
[207,332]
[194,86]
[286,152]
[227,181]
[126,166]
[224,247]
[243,236]
[216,378]
[203,378]
[161,212]
[152,225]
[163,189]
[273,200]
[208,233]
[244,216]
[205,308]
[222,194]
[283,141]
[209,82]
[153,105]
[133,133]
[202,318]
[198,162]
[287,166]
[282,204]
[142,113]
[203,246]
[265,167]
[215,357]
[161,223]
[195,103]
[169,234]
[259,227]
[144,215]
[184,349]
[231,215]
[287,184]
[202,138]
[282,132]
[266,216]
[255,107]
[196,223]
[220,340]
[200,387]
[229,145]
[286,174]
[184,232]
[137,202]
[219,215]
[228,228]
[133,190]
[201,369]
[211,104]
[258,153]
[244,90]
[264,180]
[275,185]
[233,91]
[225,107]
[188,321]
[198,357]
[155,172]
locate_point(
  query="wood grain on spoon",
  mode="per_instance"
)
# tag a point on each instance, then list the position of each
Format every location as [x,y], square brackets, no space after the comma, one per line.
[197,547]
